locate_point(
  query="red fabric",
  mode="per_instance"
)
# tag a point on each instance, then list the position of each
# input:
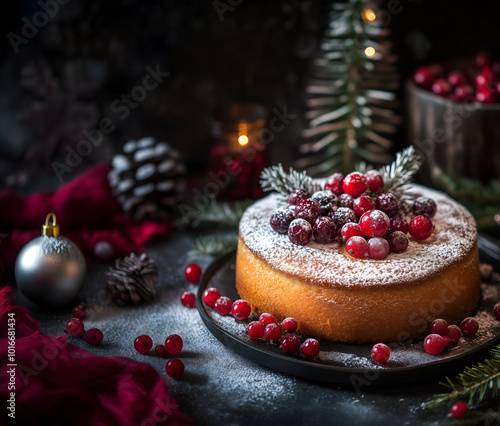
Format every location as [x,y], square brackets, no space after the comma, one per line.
[58,383]
[87,213]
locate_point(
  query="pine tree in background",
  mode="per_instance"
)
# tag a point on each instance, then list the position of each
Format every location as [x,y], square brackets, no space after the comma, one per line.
[351,108]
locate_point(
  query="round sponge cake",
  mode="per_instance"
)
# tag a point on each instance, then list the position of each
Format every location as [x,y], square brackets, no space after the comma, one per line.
[338,298]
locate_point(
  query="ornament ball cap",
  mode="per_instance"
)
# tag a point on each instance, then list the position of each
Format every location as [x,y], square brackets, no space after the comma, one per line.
[51,229]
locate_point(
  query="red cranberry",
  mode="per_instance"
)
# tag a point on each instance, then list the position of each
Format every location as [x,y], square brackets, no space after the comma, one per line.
[93,336]
[161,351]
[351,230]
[272,332]
[447,341]
[334,183]
[324,230]
[290,343]
[188,299]
[344,215]
[298,195]
[193,273]
[375,180]
[483,59]
[355,184]
[388,203]
[223,305]
[75,327]
[363,204]
[300,232]
[464,91]
[485,78]
[441,87]
[241,310]
[420,228]
[398,242]
[498,88]
[375,223]
[398,224]
[434,344]
[424,206]
[289,325]
[459,410]
[381,353]
[310,348]
[281,219]
[485,96]
[308,209]
[469,327]
[424,77]
[454,333]
[378,248]
[345,200]
[255,330]
[174,344]
[439,326]
[496,311]
[356,246]
[210,296]
[175,368]
[455,78]
[79,312]
[266,319]
[143,344]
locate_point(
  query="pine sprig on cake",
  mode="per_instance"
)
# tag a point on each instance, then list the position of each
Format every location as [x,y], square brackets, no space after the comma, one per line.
[474,383]
[275,178]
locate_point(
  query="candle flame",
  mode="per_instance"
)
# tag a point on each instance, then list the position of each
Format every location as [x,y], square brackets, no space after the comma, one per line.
[369,15]
[242,137]
[370,51]
[243,140]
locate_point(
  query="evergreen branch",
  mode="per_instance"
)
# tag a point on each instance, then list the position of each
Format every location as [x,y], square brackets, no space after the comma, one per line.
[208,245]
[220,214]
[478,418]
[274,178]
[473,383]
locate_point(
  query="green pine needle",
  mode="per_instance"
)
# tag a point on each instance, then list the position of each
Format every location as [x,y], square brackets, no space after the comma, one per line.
[473,384]
[208,245]
[220,214]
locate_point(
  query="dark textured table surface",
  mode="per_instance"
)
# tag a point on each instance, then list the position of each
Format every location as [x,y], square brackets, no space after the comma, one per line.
[220,387]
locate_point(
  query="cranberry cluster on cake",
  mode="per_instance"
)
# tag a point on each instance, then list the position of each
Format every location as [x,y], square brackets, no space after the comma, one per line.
[354,210]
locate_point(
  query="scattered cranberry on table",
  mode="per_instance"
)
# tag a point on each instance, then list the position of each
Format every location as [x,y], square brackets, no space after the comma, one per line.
[210,296]
[175,368]
[459,410]
[381,353]
[193,273]
[79,312]
[143,344]
[161,351]
[93,336]
[469,327]
[75,327]
[174,344]
[188,299]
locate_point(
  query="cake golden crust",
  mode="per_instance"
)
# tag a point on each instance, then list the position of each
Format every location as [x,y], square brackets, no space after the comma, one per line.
[339,298]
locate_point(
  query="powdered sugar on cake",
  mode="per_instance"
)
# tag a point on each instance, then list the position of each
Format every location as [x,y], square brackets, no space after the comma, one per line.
[454,236]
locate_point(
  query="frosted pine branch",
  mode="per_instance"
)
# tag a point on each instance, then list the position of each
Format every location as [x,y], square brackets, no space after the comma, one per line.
[275,178]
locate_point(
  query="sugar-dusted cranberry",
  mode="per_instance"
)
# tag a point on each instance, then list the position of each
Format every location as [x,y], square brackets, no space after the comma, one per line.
[93,336]
[75,327]
[161,351]
[298,195]
[300,232]
[210,296]
[272,332]
[345,200]
[375,223]
[381,353]
[307,209]
[325,197]
[424,77]
[469,326]
[441,87]
[447,341]
[266,319]
[483,59]
[79,312]
[351,230]
[255,330]
[290,325]
[459,410]
[325,230]
[174,344]
[420,227]
[193,273]
[175,368]
[398,224]
[425,206]
[388,203]
[375,180]
[454,333]
[223,305]
[434,344]
[188,299]
[398,242]
[334,183]
[485,95]
[281,219]
[496,311]
[464,91]
[290,343]
[344,215]
[362,204]
[455,78]
[356,246]
[355,184]
[439,326]
[241,309]
[310,348]
[378,248]
[143,344]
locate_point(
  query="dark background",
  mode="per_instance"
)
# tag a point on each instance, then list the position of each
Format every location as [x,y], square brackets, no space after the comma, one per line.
[261,51]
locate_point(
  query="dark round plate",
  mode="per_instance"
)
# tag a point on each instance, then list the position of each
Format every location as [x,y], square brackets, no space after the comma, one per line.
[341,362]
